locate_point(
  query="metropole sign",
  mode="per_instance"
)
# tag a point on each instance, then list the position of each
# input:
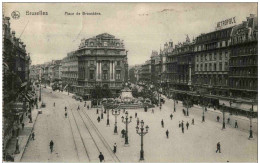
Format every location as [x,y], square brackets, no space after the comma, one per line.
[226,23]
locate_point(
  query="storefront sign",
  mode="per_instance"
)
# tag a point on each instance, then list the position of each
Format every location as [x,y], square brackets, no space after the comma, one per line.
[226,23]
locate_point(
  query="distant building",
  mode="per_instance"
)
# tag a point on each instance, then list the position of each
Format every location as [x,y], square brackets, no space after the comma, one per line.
[69,71]
[57,70]
[145,77]
[243,65]
[155,68]
[102,60]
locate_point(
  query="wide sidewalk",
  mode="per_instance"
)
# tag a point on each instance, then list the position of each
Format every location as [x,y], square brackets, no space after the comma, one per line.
[23,138]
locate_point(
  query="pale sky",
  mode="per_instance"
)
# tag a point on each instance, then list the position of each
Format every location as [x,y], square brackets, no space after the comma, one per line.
[143,26]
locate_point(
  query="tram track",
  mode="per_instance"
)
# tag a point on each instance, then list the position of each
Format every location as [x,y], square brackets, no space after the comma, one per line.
[104,142]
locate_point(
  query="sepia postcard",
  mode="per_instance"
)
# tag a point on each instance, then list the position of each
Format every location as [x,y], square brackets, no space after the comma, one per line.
[130,82]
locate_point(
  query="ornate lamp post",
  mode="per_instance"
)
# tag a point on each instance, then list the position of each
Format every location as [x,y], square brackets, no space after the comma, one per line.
[108,117]
[251,131]
[174,106]
[40,97]
[115,113]
[142,133]
[223,111]
[126,122]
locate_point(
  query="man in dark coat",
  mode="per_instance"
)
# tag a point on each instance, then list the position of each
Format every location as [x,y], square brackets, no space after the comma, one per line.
[101,157]
[187,125]
[171,116]
[114,150]
[218,118]
[192,121]
[167,134]
[218,148]
[162,123]
[236,125]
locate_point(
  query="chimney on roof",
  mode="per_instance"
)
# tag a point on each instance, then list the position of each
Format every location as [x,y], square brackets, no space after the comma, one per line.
[171,43]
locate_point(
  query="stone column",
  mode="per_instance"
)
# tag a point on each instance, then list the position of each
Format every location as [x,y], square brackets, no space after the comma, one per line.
[189,82]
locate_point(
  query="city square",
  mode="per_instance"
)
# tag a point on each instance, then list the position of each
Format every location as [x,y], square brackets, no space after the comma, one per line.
[107,96]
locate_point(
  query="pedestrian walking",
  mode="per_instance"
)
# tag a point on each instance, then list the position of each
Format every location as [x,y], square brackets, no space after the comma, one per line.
[97,110]
[162,123]
[114,150]
[78,108]
[54,104]
[167,134]
[101,115]
[171,116]
[137,121]
[22,126]
[236,125]
[65,108]
[98,119]
[101,157]
[135,115]
[187,125]
[192,122]
[33,135]
[182,124]
[174,109]
[228,120]
[179,124]
[182,129]
[51,145]
[88,107]
[218,118]
[66,114]
[218,147]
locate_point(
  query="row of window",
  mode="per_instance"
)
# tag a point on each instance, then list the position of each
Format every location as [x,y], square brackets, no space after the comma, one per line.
[212,67]
[212,56]
[101,44]
[104,74]
[105,63]
[243,61]
[243,72]
[244,51]
[243,84]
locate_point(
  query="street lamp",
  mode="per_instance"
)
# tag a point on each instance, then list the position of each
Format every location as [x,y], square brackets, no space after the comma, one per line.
[142,133]
[126,122]
[115,113]
[40,98]
[203,113]
[224,125]
[108,117]
[251,131]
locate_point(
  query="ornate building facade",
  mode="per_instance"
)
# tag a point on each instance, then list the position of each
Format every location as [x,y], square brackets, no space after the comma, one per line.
[102,61]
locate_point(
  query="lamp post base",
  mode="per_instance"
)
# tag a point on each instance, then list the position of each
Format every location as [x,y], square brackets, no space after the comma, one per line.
[250,134]
[108,123]
[141,155]
[115,130]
